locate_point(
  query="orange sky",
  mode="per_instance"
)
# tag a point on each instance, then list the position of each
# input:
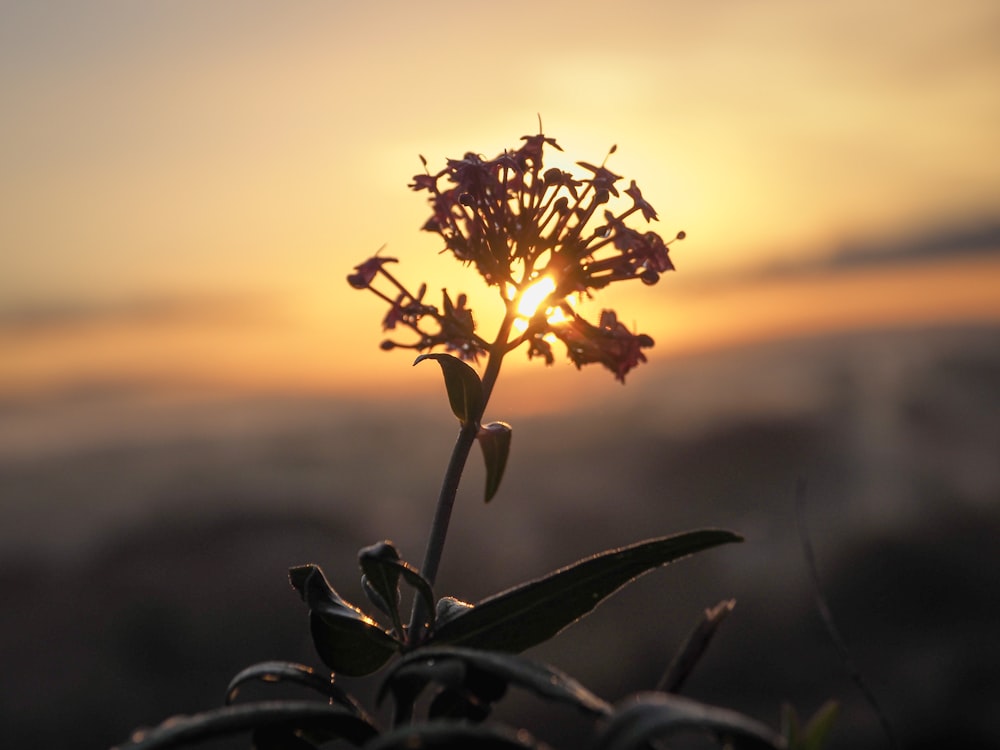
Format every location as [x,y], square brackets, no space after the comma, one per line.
[185,188]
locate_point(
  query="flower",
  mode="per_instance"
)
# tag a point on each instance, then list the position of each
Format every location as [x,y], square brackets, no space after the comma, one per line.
[648,212]
[610,343]
[367,271]
[515,220]
[603,179]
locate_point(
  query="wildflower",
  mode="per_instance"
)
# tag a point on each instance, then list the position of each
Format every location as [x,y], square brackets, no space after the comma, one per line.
[516,221]
[367,271]
[648,212]
[603,179]
[610,343]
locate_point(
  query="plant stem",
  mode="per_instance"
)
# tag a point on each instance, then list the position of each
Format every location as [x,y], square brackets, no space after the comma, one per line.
[446,501]
[449,486]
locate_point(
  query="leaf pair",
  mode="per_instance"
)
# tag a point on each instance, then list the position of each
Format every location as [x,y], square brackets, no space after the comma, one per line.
[468,400]
[350,642]
[347,640]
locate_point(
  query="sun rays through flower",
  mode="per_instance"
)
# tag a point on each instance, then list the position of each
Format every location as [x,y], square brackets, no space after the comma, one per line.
[544,237]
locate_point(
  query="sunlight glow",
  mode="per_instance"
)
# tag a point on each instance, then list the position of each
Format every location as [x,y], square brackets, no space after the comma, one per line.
[534,296]
[532,299]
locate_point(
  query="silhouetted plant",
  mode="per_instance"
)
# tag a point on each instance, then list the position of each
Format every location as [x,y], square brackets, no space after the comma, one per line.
[543,238]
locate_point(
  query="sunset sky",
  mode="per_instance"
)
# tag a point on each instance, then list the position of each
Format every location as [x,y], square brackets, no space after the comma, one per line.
[184,186]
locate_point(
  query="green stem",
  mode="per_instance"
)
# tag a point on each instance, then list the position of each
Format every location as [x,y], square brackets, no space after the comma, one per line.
[449,487]
[446,501]
[403,710]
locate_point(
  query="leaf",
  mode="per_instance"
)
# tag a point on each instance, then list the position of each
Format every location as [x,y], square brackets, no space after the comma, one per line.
[381,604]
[791,729]
[347,640]
[281,671]
[436,663]
[448,608]
[820,725]
[351,647]
[319,719]
[465,389]
[697,641]
[382,568]
[412,576]
[454,735]
[816,731]
[533,612]
[383,579]
[494,439]
[649,716]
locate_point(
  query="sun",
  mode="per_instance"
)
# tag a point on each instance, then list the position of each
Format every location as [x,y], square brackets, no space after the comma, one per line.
[534,296]
[532,299]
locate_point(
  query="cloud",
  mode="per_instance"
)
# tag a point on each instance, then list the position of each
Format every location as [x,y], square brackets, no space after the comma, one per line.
[957,241]
[166,310]
[948,243]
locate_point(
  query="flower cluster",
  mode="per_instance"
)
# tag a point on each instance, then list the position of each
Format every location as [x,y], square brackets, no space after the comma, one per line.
[518,223]
[454,327]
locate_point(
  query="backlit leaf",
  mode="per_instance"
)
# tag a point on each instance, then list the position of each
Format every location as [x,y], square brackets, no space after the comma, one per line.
[298,674]
[347,640]
[494,439]
[383,578]
[535,611]
[465,389]
[694,646]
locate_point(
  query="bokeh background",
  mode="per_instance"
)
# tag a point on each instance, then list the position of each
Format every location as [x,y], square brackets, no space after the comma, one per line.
[192,399]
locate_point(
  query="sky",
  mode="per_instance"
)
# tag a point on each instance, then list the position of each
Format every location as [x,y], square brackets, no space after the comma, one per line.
[185,186]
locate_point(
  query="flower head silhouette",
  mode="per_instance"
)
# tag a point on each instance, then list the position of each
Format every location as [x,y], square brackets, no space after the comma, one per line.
[517,222]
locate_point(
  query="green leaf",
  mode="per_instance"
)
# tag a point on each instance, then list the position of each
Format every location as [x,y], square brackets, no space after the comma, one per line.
[649,716]
[424,665]
[320,720]
[820,726]
[454,735]
[494,439]
[816,731]
[465,389]
[347,640]
[299,674]
[535,611]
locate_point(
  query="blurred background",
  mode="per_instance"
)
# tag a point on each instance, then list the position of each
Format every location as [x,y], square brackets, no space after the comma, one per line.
[192,399]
